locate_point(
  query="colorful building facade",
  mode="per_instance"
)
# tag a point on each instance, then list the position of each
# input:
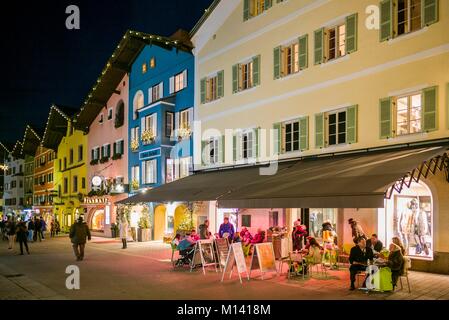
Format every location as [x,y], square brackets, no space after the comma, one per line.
[13,193]
[310,78]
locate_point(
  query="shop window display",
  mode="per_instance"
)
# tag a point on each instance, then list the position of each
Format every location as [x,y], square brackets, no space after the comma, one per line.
[98,220]
[316,219]
[409,216]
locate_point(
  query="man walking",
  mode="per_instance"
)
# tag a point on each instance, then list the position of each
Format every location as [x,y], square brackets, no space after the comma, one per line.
[79,231]
[22,235]
[37,229]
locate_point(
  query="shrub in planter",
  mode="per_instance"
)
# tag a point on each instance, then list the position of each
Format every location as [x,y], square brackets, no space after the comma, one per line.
[144,230]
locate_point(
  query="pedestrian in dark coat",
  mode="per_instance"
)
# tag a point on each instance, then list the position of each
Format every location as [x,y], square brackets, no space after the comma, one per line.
[30,230]
[22,236]
[79,231]
[37,229]
[358,258]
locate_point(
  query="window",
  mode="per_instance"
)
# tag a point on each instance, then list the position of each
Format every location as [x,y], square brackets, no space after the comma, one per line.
[60,165]
[273,218]
[408,114]
[212,87]
[119,147]
[153,63]
[246,75]
[213,150]
[185,117]
[171,172]
[20,183]
[291,136]
[138,103]
[149,169]
[144,67]
[65,163]
[184,166]
[119,114]
[156,92]
[247,145]
[110,114]
[253,8]
[106,151]
[75,183]
[135,175]
[80,153]
[101,118]
[246,220]
[169,122]
[408,16]
[13,184]
[134,133]
[66,185]
[50,177]
[178,82]
[149,128]
[337,127]
[83,183]
[336,39]
[71,156]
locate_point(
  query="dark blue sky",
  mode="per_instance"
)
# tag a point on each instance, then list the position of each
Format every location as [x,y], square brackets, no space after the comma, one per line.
[44,63]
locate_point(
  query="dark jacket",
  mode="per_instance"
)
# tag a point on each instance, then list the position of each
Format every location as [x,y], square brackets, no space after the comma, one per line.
[327,226]
[79,231]
[38,225]
[396,261]
[357,255]
[377,247]
[30,225]
[203,231]
[21,231]
[11,228]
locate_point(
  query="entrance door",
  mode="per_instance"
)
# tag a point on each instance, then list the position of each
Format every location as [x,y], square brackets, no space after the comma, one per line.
[159,222]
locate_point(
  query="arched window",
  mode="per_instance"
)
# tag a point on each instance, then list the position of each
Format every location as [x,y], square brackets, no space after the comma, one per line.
[138,102]
[119,114]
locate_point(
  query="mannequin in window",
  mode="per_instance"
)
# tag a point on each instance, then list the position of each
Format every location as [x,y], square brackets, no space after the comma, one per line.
[420,230]
[405,222]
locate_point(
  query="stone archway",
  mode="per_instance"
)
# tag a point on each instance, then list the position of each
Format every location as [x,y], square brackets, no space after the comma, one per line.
[159,222]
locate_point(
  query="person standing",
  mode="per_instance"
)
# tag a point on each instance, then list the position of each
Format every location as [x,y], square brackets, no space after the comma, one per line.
[22,236]
[226,229]
[43,228]
[298,234]
[11,232]
[57,227]
[124,232]
[358,258]
[357,231]
[204,231]
[79,231]
[37,229]
[31,230]
[52,229]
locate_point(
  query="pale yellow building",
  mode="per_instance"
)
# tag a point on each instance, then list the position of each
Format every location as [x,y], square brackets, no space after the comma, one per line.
[330,76]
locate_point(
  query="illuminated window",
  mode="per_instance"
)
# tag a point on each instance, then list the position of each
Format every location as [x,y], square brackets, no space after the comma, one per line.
[290,59]
[149,171]
[144,67]
[256,7]
[408,114]
[336,38]
[138,103]
[408,16]
[153,62]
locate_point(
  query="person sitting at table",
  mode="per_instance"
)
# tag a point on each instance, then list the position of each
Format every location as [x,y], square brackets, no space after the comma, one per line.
[374,243]
[358,258]
[313,252]
[396,263]
[188,241]
[259,236]
[398,242]
[246,238]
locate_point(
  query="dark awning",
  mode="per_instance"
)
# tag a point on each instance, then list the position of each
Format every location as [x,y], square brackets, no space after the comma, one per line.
[343,181]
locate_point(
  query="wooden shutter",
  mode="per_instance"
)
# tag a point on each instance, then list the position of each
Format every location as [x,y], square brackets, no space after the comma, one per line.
[277,138]
[234,147]
[386,20]
[256,70]
[220,84]
[154,124]
[268,4]
[92,154]
[144,172]
[235,78]
[429,12]
[319,46]
[221,149]
[203,90]
[319,130]
[184,76]
[277,62]
[351,124]
[351,33]
[256,133]
[109,150]
[190,118]
[430,102]
[142,125]
[114,149]
[386,118]
[150,95]
[245,10]
[303,51]
[304,133]
[161,90]
[172,85]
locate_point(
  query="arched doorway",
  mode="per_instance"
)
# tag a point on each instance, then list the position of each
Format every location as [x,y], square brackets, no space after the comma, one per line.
[97,219]
[159,222]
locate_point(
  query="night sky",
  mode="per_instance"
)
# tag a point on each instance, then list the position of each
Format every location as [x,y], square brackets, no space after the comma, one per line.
[44,63]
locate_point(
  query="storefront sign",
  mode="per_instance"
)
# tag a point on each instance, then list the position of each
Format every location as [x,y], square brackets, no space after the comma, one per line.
[95,200]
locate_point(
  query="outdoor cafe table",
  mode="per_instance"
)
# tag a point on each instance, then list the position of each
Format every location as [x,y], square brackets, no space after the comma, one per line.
[380,278]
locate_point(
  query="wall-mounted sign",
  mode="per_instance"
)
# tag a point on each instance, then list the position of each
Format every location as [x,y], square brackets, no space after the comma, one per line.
[150,154]
[95,200]
[96,181]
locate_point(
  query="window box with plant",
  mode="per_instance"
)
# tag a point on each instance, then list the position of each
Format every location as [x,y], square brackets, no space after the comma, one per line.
[184,133]
[94,162]
[148,137]
[134,145]
[104,159]
[135,185]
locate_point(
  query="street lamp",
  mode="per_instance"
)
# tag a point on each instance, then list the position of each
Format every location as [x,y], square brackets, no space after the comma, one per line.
[4,167]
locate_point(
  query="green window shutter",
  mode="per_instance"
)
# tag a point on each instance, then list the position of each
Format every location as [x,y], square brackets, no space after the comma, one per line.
[303,51]
[268,4]
[92,154]
[235,78]
[430,102]
[304,133]
[221,149]
[277,138]
[386,118]
[256,133]
[203,155]
[319,130]
[220,84]
[351,33]
[318,46]
[351,124]
[114,149]
[386,20]
[277,62]
[203,90]
[234,147]
[256,70]
[429,10]
[245,10]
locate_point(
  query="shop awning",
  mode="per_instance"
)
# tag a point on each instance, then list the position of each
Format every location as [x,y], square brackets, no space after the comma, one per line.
[335,181]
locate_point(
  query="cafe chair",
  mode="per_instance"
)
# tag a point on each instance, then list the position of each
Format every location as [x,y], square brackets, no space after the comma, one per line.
[407,266]
[294,257]
[318,265]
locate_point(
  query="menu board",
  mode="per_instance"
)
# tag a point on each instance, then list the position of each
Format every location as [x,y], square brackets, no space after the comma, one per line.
[204,255]
[222,250]
[263,258]
[235,257]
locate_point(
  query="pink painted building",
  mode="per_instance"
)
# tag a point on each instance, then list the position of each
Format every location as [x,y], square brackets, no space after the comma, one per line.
[107,172]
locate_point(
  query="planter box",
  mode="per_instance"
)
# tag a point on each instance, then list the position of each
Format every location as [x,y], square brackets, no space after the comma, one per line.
[143,235]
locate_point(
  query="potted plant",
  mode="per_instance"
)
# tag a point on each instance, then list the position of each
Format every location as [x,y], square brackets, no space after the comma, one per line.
[144,230]
[135,185]
[148,137]
[134,145]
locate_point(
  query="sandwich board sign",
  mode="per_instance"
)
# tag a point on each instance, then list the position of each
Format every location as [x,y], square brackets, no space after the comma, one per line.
[263,258]
[222,246]
[204,255]
[235,258]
